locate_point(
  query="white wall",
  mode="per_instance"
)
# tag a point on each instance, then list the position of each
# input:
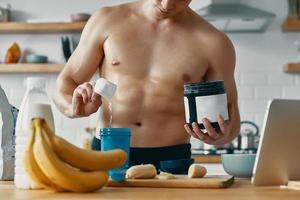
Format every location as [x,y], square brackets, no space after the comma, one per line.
[260,57]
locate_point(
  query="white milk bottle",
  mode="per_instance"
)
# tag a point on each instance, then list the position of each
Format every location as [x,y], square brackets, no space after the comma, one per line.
[35,103]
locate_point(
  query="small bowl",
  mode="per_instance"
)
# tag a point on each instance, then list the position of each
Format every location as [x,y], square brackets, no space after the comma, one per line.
[80,17]
[36,58]
[239,165]
[180,166]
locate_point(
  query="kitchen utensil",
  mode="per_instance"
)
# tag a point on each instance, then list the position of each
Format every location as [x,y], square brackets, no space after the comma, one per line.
[80,17]
[4,12]
[66,47]
[178,182]
[293,9]
[36,58]
[238,165]
[249,135]
[180,166]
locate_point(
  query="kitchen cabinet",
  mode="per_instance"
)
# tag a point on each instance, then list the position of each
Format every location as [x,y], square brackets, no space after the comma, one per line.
[241,189]
[30,68]
[55,27]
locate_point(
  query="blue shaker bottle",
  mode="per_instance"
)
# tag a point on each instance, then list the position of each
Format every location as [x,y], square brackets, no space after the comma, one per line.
[116,138]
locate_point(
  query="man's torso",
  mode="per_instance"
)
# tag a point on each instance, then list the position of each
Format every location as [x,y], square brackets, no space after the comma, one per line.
[150,65]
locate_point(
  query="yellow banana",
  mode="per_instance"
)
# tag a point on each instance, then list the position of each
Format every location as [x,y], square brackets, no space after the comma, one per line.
[84,159]
[60,173]
[33,169]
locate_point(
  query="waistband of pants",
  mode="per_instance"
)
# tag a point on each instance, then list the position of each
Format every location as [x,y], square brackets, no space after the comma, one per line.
[157,154]
[153,155]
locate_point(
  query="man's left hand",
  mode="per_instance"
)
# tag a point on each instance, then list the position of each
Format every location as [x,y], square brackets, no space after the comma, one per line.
[213,136]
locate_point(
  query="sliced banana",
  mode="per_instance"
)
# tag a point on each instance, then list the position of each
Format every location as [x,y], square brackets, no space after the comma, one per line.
[165,176]
[147,171]
[196,171]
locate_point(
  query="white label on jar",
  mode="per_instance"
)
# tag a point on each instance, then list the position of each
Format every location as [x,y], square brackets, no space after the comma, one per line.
[187,110]
[211,106]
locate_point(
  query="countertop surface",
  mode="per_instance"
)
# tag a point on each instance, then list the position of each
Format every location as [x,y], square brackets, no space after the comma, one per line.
[241,189]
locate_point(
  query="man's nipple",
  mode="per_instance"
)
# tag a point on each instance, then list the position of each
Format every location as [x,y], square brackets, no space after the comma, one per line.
[186,77]
[115,62]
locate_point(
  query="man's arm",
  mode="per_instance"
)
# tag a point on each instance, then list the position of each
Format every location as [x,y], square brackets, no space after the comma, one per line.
[222,66]
[221,57]
[73,95]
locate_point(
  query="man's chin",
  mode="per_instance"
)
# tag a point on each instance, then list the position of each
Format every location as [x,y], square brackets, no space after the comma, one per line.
[165,15]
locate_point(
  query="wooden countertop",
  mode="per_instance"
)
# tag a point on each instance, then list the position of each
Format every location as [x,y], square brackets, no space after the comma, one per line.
[242,189]
[206,158]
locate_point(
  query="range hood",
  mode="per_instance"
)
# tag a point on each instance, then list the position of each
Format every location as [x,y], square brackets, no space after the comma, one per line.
[236,17]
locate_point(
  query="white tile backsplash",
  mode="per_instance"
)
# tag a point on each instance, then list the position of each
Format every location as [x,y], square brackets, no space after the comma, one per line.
[298,80]
[291,92]
[253,106]
[247,116]
[279,79]
[253,79]
[259,119]
[245,92]
[266,92]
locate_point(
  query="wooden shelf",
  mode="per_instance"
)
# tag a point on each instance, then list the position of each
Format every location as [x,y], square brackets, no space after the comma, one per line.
[291,25]
[30,68]
[292,68]
[207,158]
[23,27]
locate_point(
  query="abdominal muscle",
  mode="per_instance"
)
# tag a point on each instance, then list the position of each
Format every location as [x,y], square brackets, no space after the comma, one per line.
[153,112]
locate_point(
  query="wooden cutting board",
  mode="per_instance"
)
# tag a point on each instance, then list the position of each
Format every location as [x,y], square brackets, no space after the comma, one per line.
[179,182]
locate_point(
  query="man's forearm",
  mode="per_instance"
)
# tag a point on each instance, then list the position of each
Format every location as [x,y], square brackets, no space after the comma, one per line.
[235,118]
[64,103]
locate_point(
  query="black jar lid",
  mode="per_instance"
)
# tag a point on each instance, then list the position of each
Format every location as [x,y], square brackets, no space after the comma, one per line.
[205,88]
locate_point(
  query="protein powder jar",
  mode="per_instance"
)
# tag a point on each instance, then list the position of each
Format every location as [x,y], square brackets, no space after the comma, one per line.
[205,100]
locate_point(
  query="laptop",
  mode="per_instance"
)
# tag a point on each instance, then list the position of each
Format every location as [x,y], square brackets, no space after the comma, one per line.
[278,154]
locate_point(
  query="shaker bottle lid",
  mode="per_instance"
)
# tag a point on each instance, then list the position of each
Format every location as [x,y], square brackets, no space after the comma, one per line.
[115,131]
[36,82]
[105,88]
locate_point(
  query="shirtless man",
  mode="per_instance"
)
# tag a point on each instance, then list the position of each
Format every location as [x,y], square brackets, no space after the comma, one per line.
[149,49]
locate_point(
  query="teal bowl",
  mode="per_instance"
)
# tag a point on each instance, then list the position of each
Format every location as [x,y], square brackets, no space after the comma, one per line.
[238,165]
[37,59]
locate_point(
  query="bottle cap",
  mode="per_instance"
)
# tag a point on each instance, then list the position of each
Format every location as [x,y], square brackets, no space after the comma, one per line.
[36,82]
[105,88]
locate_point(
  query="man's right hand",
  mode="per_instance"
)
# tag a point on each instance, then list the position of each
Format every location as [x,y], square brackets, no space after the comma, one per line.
[85,101]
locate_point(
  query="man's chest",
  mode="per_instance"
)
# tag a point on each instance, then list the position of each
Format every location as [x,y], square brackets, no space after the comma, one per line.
[168,55]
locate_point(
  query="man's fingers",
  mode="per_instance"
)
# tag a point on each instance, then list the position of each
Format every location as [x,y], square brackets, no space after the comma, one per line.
[84,94]
[189,131]
[198,132]
[222,124]
[77,102]
[89,89]
[210,130]
[96,99]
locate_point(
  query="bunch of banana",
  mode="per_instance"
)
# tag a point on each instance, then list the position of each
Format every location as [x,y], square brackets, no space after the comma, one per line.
[53,163]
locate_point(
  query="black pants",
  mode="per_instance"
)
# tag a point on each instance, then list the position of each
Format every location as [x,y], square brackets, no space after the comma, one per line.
[153,155]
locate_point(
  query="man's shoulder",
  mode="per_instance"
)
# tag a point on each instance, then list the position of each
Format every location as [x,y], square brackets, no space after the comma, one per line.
[212,38]
[113,13]
[208,33]
[218,45]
